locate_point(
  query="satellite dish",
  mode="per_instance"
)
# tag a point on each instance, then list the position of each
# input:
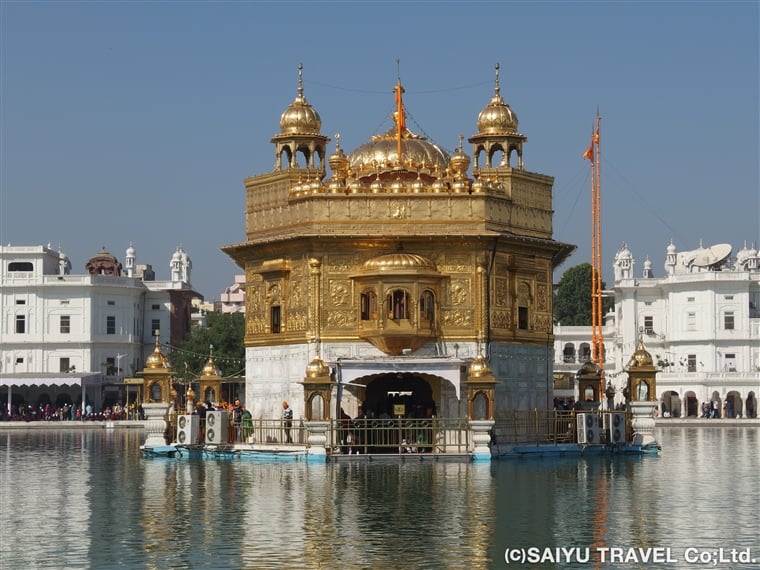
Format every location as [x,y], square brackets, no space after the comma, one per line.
[712,255]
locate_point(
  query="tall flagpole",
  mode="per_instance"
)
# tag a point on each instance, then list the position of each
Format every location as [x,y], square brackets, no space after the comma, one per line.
[593,154]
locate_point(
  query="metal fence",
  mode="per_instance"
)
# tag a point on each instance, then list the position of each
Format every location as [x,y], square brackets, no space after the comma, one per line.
[545,426]
[402,435]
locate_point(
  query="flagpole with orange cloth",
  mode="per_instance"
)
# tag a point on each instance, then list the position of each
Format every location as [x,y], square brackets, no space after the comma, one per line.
[593,155]
[400,118]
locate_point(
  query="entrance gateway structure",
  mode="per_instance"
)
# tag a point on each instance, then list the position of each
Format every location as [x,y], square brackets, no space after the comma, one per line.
[403,282]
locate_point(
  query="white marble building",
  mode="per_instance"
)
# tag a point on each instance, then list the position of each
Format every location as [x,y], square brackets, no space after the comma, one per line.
[74,337]
[700,321]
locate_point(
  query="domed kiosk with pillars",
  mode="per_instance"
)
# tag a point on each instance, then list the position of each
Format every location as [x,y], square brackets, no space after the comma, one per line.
[641,391]
[157,401]
[400,259]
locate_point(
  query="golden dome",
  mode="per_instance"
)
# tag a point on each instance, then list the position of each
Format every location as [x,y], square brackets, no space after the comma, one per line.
[588,368]
[338,161]
[317,368]
[479,367]
[460,162]
[398,261]
[157,359]
[641,357]
[381,154]
[210,368]
[497,117]
[300,117]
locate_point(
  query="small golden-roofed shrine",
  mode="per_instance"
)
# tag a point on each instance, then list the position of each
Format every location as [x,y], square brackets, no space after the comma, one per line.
[210,383]
[642,375]
[589,379]
[480,385]
[158,376]
[317,390]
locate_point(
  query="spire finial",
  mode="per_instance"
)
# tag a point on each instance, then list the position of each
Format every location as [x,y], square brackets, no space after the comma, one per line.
[300,79]
[497,89]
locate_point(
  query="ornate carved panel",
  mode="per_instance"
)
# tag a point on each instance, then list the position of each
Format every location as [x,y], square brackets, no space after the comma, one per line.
[458,318]
[501,292]
[340,292]
[460,291]
[341,319]
[542,298]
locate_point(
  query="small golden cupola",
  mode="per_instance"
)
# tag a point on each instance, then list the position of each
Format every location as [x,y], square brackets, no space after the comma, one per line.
[497,118]
[317,368]
[157,376]
[210,382]
[157,359]
[497,131]
[300,126]
[641,357]
[480,385]
[642,375]
[338,162]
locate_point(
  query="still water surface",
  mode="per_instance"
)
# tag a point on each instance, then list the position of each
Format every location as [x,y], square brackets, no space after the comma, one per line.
[88,499]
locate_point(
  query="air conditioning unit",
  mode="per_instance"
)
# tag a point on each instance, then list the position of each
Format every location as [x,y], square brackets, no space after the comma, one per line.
[217,427]
[587,428]
[615,427]
[188,429]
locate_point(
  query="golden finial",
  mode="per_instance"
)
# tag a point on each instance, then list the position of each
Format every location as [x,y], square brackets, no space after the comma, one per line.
[300,79]
[497,88]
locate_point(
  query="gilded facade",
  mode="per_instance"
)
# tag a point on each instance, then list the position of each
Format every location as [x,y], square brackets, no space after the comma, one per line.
[398,264]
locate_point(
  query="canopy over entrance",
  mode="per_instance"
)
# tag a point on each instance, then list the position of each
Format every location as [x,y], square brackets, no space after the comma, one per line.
[354,371]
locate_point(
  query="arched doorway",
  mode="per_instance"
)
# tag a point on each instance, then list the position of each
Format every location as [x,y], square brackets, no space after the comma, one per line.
[401,394]
[751,405]
[692,406]
[671,404]
[732,405]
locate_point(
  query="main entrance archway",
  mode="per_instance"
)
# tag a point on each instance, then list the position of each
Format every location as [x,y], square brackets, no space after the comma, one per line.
[399,394]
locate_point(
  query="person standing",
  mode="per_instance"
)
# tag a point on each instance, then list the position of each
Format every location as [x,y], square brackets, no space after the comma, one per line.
[287,421]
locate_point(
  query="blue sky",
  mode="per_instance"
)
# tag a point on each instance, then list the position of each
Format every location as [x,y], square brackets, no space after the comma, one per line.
[136,122]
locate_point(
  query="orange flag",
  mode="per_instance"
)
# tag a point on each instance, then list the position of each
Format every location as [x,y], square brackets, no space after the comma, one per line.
[589,154]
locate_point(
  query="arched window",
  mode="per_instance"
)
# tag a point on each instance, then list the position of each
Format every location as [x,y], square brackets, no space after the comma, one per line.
[316,408]
[480,407]
[369,306]
[585,352]
[427,306]
[643,391]
[398,304]
[568,353]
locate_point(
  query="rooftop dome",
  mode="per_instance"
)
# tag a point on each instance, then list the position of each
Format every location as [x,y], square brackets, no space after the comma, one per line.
[497,117]
[381,154]
[103,263]
[300,117]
